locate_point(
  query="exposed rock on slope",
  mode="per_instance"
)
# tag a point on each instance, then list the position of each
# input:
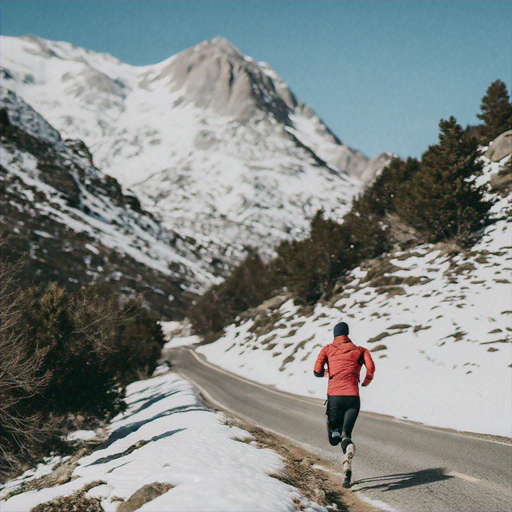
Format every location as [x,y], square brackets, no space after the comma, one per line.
[500,147]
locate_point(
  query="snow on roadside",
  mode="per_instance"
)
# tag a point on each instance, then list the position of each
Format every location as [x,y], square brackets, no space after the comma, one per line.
[167,436]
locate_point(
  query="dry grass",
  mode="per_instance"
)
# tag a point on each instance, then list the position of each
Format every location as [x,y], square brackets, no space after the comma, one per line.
[264,321]
[303,471]
[76,502]
[379,337]
[291,357]
[421,328]
[61,474]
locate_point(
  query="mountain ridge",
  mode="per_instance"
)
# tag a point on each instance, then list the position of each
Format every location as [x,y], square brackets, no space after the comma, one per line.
[213,143]
[72,224]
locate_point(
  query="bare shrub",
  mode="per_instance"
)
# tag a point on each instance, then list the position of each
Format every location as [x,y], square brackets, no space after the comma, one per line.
[76,502]
[22,431]
[65,354]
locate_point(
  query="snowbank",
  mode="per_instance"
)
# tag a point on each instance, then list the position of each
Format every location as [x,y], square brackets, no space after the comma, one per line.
[168,437]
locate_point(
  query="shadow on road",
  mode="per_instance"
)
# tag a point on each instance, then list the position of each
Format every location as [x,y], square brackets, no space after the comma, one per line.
[403,480]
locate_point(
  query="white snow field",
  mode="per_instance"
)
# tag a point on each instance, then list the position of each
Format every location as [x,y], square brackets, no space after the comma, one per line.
[129,233]
[223,181]
[438,326]
[167,436]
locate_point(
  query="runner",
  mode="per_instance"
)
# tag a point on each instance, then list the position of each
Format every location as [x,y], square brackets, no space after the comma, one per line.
[344,361]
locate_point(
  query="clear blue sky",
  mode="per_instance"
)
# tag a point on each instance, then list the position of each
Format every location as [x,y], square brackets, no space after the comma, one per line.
[380,73]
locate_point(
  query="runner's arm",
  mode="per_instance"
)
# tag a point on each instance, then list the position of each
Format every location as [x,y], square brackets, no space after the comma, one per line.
[319,369]
[370,367]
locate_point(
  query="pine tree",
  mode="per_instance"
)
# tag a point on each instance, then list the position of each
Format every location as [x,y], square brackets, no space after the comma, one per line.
[442,200]
[496,112]
[379,198]
[249,284]
[310,267]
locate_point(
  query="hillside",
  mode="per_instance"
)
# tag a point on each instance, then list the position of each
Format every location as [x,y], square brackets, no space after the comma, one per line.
[72,224]
[436,320]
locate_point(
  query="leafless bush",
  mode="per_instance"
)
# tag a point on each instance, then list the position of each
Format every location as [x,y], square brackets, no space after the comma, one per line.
[20,377]
[65,354]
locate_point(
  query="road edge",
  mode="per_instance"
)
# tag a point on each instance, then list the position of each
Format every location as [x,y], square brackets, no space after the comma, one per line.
[291,451]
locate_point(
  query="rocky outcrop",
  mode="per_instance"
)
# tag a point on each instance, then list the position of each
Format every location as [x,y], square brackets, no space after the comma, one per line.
[500,147]
[216,75]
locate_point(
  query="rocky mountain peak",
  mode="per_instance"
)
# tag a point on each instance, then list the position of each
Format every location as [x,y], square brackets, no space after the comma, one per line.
[215,74]
[221,45]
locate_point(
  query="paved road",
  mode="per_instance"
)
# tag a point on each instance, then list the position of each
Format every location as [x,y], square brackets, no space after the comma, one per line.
[408,467]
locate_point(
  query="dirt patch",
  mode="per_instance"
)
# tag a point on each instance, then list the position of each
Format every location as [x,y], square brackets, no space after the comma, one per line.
[76,502]
[144,495]
[379,337]
[272,337]
[421,328]
[459,335]
[392,291]
[463,268]
[378,348]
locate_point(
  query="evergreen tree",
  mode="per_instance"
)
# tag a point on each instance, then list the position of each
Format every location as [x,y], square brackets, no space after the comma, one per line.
[249,284]
[379,198]
[496,112]
[366,231]
[310,267]
[441,200]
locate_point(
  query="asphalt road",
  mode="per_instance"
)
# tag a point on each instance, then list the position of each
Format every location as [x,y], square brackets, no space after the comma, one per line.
[406,466]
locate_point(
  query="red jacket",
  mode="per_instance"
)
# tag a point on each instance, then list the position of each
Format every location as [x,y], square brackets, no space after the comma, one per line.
[344,362]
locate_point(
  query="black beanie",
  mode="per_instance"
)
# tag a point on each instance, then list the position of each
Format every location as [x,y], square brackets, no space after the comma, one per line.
[340,329]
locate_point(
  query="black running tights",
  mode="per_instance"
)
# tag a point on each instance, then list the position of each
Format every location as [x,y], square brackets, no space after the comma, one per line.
[343,412]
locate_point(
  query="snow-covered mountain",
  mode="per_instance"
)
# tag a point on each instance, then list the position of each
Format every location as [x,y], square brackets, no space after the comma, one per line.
[212,140]
[436,320]
[74,225]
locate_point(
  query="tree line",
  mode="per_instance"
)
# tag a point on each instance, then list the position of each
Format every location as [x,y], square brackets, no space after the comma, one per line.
[433,199]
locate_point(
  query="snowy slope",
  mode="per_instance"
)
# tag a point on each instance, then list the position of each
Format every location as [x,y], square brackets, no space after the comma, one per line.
[168,437]
[211,140]
[438,325]
[77,225]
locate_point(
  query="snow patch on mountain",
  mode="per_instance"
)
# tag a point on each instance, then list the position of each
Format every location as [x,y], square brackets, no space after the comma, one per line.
[211,141]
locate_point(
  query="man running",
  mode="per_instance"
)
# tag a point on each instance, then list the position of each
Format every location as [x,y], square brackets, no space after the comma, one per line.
[344,362]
